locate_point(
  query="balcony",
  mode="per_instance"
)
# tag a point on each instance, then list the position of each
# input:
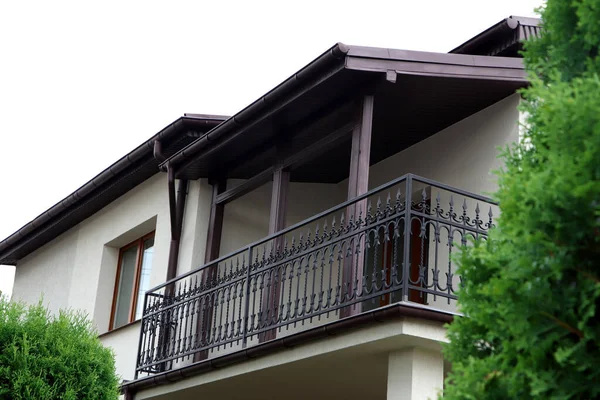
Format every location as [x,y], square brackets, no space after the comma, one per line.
[392,245]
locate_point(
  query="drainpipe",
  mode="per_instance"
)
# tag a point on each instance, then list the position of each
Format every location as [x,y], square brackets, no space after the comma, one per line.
[176,210]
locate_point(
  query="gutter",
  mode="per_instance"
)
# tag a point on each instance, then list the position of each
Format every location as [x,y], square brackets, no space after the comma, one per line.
[506,25]
[399,310]
[25,234]
[263,107]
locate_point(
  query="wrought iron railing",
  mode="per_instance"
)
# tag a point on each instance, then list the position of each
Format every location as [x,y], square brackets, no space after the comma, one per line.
[394,243]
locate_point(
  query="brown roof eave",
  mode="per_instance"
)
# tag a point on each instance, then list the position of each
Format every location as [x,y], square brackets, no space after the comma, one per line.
[506,25]
[264,106]
[8,245]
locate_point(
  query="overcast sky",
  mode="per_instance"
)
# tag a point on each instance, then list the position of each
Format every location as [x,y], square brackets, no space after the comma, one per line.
[83,83]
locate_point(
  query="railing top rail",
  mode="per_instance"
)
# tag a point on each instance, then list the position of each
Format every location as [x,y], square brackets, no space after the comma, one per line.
[322,214]
[454,189]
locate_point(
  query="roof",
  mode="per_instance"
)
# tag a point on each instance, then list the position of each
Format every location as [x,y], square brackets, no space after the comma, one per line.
[338,70]
[122,176]
[504,39]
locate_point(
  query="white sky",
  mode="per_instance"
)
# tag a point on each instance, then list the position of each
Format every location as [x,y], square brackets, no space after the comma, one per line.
[83,83]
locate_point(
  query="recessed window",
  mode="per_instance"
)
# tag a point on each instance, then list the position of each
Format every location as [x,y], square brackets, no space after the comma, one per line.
[133,280]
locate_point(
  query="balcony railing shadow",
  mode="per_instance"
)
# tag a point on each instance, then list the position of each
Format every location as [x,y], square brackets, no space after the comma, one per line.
[394,243]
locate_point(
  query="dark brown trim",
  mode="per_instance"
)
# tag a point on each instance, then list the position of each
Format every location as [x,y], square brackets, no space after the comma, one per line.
[68,212]
[279,193]
[337,58]
[213,245]
[501,73]
[358,184]
[245,187]
[279,196]
[136,279]
[319,70]
[486,42]
[177,210]
[319,147]
[215,222]
[379,315]
[426,57]
[290,162]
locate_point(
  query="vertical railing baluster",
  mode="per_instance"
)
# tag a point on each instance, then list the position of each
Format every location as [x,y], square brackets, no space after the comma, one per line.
[144,320]
[406,249]
[247,300]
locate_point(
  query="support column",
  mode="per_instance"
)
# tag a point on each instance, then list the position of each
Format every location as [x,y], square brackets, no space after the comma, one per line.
[358,183]
[213,243]
[215,222]
[415,374]
[270,300]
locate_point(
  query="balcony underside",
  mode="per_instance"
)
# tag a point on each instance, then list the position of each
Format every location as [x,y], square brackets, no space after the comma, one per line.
[387,252]
[355,352]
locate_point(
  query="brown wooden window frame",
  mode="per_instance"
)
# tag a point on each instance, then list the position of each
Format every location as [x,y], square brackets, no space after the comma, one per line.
[136,281]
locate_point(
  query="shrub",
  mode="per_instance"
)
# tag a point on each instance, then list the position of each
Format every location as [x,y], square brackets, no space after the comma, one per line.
[532,291]
[52,357]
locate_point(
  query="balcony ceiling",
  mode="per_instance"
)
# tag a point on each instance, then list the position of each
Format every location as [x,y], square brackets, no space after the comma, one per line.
[406,112]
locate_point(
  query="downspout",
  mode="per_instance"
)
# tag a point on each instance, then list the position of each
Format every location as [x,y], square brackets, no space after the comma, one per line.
[176,231]
[176,211]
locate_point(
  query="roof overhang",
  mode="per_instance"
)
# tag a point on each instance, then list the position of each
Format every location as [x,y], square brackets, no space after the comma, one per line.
[502,39]
[338,74]
[442,65]
[122,176]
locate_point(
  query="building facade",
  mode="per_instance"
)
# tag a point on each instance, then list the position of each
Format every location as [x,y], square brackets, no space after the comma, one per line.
[302,247]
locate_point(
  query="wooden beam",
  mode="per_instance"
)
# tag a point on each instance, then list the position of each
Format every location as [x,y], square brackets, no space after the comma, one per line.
[213,244]
[281,181]
[244,187]
[270,300]
[358,184]
[300,157]
[215,222]
[319,147]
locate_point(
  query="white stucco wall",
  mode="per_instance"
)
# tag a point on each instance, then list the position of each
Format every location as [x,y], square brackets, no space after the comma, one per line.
[246,220]
[462,155]
[77,270]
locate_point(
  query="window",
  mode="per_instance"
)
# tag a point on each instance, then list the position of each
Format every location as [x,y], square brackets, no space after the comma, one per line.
[133,280]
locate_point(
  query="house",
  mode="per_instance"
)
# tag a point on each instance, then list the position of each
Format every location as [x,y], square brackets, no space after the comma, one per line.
[300,248]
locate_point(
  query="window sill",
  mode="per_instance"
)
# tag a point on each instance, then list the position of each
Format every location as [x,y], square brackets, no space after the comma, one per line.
[122,327]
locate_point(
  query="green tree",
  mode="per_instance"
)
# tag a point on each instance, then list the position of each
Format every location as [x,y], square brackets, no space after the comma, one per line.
[52,357]
[532,291]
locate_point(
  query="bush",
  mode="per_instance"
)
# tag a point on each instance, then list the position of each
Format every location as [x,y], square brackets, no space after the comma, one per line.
[52,357]
[532,291]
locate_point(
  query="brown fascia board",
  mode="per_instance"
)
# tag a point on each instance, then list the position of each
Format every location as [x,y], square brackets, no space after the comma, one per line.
[326,64]
[343,56]
[95,186]
[432,58]
[494,33]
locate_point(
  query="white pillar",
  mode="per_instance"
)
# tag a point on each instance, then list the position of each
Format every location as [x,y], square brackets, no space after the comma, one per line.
[415,374]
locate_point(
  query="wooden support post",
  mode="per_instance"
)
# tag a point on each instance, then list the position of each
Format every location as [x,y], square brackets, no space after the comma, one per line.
[213,243]
[270,300]
[215,222]
[358,183]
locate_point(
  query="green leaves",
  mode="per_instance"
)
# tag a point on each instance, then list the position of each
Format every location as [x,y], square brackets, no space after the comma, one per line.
[532,291]
[52,357]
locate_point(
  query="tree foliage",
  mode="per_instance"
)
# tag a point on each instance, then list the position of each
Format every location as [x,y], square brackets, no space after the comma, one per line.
[52,357]
[532,291]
